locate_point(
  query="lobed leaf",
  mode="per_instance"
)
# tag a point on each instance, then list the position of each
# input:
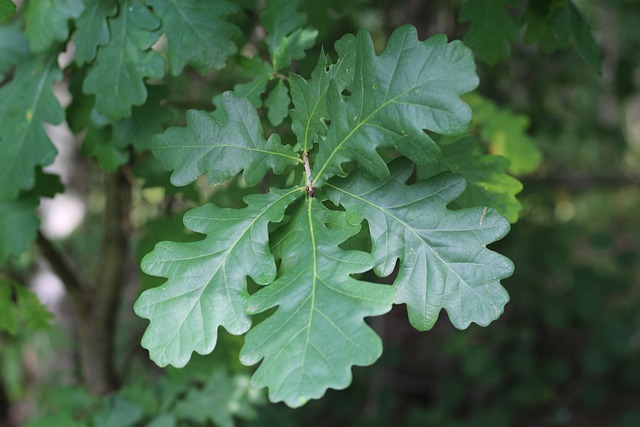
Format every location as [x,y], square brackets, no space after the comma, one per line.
[18,226]
[222,149]
[117,77]
[7,8]
[24,141]
[92,29]
[198,33]
[444,262]
[14,48]
[47,22]
[277,103]
[207,279]
[492,28]
[317,333]
[410,87]
[487,183]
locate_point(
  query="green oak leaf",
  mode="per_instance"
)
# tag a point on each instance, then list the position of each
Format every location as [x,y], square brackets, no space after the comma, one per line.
[212,403]
[198,33]
[277,103]
[118,412]
[318,331]
[487,183]
[259,72]
[98,143]
[18,226]
[539,29]
[567,21]
[492,28]
[222,148]
[24,141]
[117,76]
[47,21]
[207,279]
[410,87]
[506,133]
[286,39]
[7,8]
[309,96]
[444,262]
[14,48]
[92,29]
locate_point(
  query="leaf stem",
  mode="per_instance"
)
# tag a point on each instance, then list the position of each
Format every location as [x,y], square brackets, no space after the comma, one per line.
[307,170]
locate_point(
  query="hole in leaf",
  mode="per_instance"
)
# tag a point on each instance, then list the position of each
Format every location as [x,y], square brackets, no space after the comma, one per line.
[345,92]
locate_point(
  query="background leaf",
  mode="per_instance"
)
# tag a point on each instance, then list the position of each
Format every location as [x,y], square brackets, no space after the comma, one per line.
[411,86]
[7,8]
[18,226]
[444,262]
[117,77]
[22,135]
[198,33]
[277,103]
[92,29]
[47,21]
[317,333]
[207,279]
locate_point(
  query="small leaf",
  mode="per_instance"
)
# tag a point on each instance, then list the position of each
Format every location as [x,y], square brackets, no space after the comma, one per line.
[309,97]
[444,262]
[18,226]
[211,403]
[222,149]
[207,279]
[317,333]
[92,30]
[487,183]
[410,87]
[198,33]
[99,144]
[24,141]
[260,73]
[117,412]
[7,8]
[506,133]
[277,103]
[47,21]
[117,77]
[286,39]
[492,28]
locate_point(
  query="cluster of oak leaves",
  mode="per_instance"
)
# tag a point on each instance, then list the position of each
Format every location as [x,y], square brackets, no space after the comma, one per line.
[364,108]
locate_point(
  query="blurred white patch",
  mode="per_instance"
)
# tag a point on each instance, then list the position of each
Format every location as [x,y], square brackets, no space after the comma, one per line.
[61,215]
[48,288]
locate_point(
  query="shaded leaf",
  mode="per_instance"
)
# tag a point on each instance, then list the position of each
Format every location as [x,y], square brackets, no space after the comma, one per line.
[198,33]
[117,77]
[18,226]
[487,183]
[317,333]
[492,28]
[207,279]
[277,103]
[212,403]
[92,30]
[14,48]
[7,8]
[24,141]
[222,149]
[411,86]
[117,412]
[47,21]
[506,133]
[444,262]
[286,39]
[99,144]
[260,73]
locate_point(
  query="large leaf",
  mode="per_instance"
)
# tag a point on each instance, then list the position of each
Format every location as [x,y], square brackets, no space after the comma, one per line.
[309,96]
[198,33]
[444,262]
[47,21]
[492,27]
[117,77]
[317,333]
[487,183]
[222,149]
[92,30]
[18,226]
[28,103]
[207,279]
[506,133]
[410,87]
